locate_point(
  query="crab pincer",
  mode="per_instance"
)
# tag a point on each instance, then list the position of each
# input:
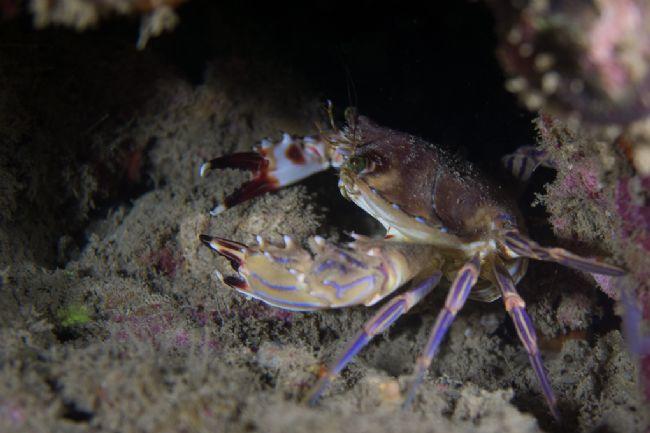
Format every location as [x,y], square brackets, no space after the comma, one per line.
[292,278]
[273,165]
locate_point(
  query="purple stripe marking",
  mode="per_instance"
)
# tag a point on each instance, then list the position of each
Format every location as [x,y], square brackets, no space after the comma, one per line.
[360,341]
[282,260]
[542,254]
[426,286]
[523,324]
[504,282]
[387,317]
[340,289]
[538,366]
[442,325]
[461,287]
[278,302]
[328,264]
[352,260]
[514,237]
[516,248]
[273,286]
[522,167]
[525,328]
[588,266]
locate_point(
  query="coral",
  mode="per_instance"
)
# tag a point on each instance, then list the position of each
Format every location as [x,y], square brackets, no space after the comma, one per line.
[633,206]
[157,16]
[599,197]
[588,59]
[586,65]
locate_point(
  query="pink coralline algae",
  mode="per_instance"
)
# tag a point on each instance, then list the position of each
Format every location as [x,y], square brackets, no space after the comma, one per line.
[166,260]
[587,59]
[159,327]
[633,206]
[584,177]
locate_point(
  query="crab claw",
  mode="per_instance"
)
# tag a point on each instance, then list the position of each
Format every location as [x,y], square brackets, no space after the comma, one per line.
[273,165]
[233,251]
[292,278]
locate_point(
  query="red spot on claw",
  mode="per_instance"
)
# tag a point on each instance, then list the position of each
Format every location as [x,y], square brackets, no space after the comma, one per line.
[295,155]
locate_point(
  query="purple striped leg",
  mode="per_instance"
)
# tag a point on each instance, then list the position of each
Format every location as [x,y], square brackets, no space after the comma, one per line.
[515,306]
[525,160]
[522,246]
[458,293]
[385,317]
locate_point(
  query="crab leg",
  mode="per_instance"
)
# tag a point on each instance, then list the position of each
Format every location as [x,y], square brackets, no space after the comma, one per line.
[273,165]
[525,160]
[515,306]
[458,293]
[522,246]
[381,321]
[638,343]
[292,278]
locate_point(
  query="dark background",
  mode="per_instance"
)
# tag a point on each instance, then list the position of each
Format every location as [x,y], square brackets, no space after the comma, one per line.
[427,69]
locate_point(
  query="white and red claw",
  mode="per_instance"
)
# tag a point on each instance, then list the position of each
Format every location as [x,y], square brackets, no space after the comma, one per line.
[274,165]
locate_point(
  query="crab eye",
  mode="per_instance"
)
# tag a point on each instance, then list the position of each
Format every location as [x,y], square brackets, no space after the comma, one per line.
[357,164]
[351,115]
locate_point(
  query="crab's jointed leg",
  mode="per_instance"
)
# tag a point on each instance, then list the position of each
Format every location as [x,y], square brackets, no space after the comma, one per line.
[520,245]
[332,276]
[516,307]
[525,160]
[381,321]
[458,293]
[273,165]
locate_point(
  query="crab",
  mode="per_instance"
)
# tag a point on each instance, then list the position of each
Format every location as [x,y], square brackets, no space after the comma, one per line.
[445,222]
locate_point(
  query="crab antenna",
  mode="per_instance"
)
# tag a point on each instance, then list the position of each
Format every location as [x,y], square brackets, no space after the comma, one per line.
[458,293]
[385,317]
[329,109]
[515,306]
[522,246]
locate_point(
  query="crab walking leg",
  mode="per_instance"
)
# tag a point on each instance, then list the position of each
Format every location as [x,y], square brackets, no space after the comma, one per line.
[522,246]
[381,321]
[525,160]
[638,343]
[458,293]
[274,166]
[516,307]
